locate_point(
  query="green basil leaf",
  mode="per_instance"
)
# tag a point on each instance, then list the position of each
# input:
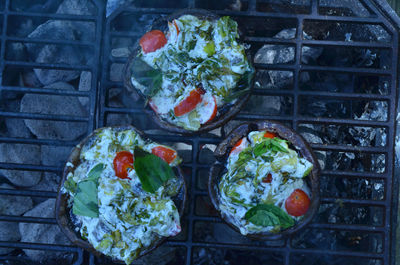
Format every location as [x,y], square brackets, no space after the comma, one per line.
[147,76]
[267,215]
[264,218]
[152,171]
[85,199]
[95,172]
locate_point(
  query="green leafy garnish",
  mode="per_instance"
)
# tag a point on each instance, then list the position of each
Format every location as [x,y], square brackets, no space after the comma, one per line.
[95,172]
[152,171]
[273,144]
[242,87]
[147,76]
[70,185]
[269,215]
[85,199]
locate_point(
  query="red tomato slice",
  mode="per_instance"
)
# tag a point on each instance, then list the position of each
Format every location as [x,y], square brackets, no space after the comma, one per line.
[270,135]
[267,179]
[122,161]
[188,104]
[152,41]
[165,153]
[173,29]
[297,203]
[239,146]
[207,108]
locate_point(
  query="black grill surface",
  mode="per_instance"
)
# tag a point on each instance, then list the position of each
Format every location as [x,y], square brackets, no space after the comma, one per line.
[352,227]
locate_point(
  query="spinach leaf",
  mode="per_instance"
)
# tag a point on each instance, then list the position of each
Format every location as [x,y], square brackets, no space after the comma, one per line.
[95,172]
[85,199]
[269,215]
[152,171]
[147,76]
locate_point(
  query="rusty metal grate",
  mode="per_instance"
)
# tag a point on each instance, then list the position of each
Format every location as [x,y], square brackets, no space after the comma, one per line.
[262,20]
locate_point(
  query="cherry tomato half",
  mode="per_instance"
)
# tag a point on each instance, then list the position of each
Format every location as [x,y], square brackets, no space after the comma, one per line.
[122,161]
[188,104]
[270,135]
[239,146]
[165,153]
[152,41]
[297,203]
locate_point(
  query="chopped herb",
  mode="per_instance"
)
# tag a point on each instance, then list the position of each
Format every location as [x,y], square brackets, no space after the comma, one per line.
[210,48]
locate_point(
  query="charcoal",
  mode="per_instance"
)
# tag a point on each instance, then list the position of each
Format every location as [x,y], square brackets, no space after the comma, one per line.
[278,54]
[65,30]
[55,155]
[11,205]
[160,256]
[20,154]
[85,82]
[8,232]
[77,7]
[16,127]
[51,104]
[311,135]
[50,182]
[43,233]
[120,52]
[57,54]
[116,71]
[112,5]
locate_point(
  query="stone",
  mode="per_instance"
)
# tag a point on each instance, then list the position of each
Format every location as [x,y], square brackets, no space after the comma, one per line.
[77,7]
[11,205]
[43,233]
[57,105]
[85,82]
[20,154]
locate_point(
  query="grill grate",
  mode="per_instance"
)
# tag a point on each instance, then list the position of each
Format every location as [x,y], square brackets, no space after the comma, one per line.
[256,16]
